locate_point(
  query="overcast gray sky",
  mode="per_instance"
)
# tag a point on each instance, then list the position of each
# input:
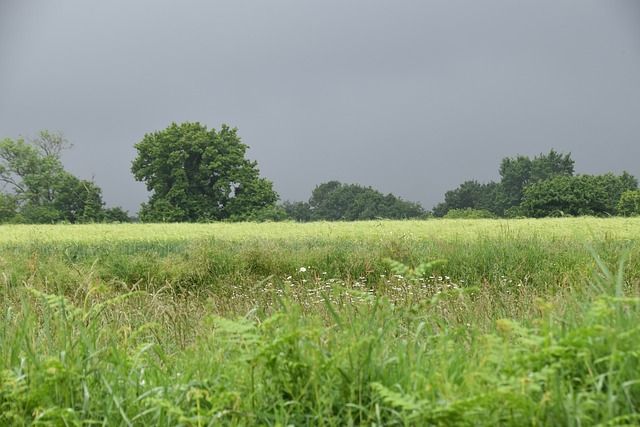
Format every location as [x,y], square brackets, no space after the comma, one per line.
[409,97]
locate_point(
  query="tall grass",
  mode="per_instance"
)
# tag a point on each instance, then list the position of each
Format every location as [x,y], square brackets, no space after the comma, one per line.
[514,329]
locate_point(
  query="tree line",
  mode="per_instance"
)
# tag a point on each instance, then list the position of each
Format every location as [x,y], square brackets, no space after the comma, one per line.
[544,186]
[198,174]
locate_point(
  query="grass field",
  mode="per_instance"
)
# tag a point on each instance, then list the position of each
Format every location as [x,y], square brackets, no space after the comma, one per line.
[459,322]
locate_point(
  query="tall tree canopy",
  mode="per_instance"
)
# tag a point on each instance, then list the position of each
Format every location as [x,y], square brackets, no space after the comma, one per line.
[39,190]
[197,174]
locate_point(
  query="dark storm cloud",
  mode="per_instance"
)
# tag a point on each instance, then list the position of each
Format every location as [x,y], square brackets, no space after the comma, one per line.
[409,97]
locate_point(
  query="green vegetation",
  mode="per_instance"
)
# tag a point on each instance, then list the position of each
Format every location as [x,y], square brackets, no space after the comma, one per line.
[629,204]
[544,187]
[441,322]
[42,192]
[197,174]
[335,201]
[200,175]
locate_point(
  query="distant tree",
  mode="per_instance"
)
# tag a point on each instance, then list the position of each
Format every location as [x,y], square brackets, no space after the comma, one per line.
[565,195]
[471,195]
[629,203]
[515,174]
[323,205]
[42,191]
[8,208]
[197,174]
[78,200]
[396,208]
[29,171]
[544,186]
[274,213]
[614,187]
[334,201]
[521,171]
[549,165]
[298,211]
[116,214]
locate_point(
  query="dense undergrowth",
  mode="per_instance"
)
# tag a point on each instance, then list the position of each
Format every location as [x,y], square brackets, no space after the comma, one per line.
[507,330]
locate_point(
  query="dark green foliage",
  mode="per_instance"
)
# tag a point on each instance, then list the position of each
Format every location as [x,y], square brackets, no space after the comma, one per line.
[544,186]
[335,201]
[43,192]
[298,211]
[502,197]
[8,208]
[565,195]
[596,195]
[521,171]
[629,204]
[614,186]
[471,195]
[116,214]
[197,174]
[78,200]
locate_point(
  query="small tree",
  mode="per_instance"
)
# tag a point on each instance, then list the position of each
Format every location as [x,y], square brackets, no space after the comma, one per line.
[196,174]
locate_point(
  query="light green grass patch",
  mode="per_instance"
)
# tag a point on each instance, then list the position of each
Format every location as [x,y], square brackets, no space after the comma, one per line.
[444,230]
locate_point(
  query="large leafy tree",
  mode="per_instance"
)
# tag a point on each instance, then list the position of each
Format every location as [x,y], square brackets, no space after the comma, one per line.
[39,189]
[196,174]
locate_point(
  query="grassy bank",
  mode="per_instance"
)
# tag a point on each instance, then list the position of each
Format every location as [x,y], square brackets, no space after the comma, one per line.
[526,323]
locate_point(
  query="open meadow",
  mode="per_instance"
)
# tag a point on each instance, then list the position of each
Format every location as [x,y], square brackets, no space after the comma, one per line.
[436,322]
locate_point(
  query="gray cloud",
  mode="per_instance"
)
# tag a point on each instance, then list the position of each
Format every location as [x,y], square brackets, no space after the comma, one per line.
[409,97]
